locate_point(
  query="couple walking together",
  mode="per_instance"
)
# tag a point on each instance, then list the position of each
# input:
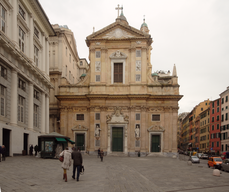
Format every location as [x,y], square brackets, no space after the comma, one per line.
[77,162]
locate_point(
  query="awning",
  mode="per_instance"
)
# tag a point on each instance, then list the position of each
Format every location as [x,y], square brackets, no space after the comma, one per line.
[63,140]
[72,142]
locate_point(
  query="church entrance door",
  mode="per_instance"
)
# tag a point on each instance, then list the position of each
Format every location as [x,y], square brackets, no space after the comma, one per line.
[117,139]
[80,141]
[155,143]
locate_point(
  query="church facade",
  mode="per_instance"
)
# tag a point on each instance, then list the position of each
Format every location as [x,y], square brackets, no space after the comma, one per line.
[119,105]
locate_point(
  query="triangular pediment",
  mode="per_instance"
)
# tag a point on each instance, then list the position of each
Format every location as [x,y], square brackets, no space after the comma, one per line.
[118,30]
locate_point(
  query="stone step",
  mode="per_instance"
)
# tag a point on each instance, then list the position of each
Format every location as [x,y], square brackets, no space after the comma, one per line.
[117,154]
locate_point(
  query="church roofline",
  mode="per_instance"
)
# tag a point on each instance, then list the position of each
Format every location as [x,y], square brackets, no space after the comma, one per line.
[113,25]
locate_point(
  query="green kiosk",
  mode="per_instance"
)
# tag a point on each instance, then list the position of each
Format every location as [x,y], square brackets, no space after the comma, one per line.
[52,144]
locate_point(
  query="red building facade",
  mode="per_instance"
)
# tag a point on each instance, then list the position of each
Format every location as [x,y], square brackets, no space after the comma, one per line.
[215,124]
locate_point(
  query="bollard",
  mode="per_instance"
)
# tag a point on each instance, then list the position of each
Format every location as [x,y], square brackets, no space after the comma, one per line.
[216,172]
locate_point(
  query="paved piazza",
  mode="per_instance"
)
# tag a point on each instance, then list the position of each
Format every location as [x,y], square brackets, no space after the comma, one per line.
[126,174]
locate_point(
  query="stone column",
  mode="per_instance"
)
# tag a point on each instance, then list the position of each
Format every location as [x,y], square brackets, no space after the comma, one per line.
[146,132]
[108,139]
[14,98]
[31,46]
[43,52]
[43,123]
[143,129]
[47,57]
[92,131]
[30,107]
[47,114]
[103,65]
[92,56]
[133,64]
[174,129]
[14,23]
[125,139]
[103,126]
[132,130]
[166,126]
[143,65]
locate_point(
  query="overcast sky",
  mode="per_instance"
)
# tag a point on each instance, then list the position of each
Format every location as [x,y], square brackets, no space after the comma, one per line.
[193,34]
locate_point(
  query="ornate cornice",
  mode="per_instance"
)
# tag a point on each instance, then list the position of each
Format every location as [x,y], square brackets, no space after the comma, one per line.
[79,128]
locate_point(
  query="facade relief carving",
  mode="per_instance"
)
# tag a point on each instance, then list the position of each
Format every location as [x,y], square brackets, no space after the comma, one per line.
[117,117]
[97,66]
[156,128]
[118,55]
[79,128]
[117,34]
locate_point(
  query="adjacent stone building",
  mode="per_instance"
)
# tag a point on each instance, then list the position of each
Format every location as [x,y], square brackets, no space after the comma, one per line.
[65,65]
[24,69]
[119,105]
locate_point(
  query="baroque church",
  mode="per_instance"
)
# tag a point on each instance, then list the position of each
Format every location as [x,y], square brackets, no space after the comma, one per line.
[119,105]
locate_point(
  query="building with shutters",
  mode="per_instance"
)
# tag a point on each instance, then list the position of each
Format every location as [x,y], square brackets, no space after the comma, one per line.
[119,105]
[24,74]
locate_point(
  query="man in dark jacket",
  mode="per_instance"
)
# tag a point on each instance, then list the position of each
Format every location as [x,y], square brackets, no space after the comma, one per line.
[77,163]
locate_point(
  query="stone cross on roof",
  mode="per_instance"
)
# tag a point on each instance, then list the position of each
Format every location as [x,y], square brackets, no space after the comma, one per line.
[118,8]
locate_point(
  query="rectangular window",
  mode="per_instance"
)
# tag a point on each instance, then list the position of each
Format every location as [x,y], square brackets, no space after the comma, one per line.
[226,116]
[217,126]
[22,12]
[138,117]
[97,78]
[217,117]
[35,115]
[21,40]
[21,105]
[36,94]
[212,127]
[21,84]
[118,72]
[138,53]
[212,144]
[3,100]
[222,147]
[36,32]
[2,19]
[155,117]
[80,117]
[3,72]
[212,111]
[138,77]
[97,54]
[222,100]
[212,119]
[226,100]
[213,104]
[81,63]
[97,116]
[222,119]
[217,102]
[217,109]
[70,58]
[36,51]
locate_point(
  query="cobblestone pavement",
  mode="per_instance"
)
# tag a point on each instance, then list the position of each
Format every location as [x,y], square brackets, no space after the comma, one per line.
[155,174]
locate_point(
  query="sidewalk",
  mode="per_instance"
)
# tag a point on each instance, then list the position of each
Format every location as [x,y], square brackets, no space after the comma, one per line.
[126,174]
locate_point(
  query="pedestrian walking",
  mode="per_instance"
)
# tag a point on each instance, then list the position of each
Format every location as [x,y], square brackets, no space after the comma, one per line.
[3,153]
[101,155]
[98,152]
[0,153]
[77,163]
[67,162]
[36,150]
[31,150]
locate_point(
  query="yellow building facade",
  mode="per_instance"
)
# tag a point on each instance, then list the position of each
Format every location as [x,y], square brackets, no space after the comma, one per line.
[119,105]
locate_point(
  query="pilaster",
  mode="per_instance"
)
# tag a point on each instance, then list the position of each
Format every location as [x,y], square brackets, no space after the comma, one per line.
[92,56]
[143,65]
[133,64]
[30,107]
[43,123]
[14,96]
[46,114]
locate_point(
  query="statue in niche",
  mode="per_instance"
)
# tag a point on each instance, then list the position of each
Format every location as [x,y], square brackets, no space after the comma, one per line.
[137,131]
[97,130]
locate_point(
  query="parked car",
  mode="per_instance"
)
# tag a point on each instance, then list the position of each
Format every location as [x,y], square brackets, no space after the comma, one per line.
[199,155]
[225,165]
[215,162]
[204,156]
[194,159]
